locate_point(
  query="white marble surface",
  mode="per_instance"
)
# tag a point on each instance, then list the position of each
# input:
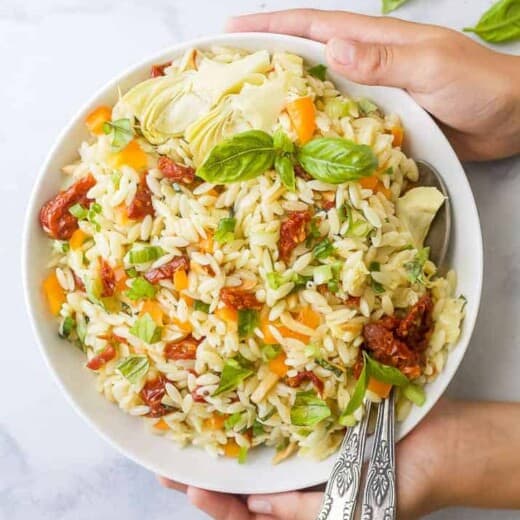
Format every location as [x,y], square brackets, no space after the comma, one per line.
[53,55]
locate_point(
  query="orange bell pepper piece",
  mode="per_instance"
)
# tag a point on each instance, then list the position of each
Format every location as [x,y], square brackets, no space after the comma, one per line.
[54,293]
[398,135]
[161,425]
[379,388]
[232,449]
[97,118]
[278,366]
[302,114]
[215,422]
[180,280]
[131,155]
[308,317]
[154,309]
[77,239]
[269,339]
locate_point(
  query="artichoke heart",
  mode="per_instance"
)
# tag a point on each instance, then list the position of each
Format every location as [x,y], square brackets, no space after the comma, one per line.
[417,209]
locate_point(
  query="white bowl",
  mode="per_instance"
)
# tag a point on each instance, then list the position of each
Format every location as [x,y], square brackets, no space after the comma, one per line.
[192,465]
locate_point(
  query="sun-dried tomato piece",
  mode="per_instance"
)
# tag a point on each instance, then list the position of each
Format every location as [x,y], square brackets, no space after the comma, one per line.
[197,398]
[353,301]
[158,69]
[415,328]
[102,358]
[108,278]
[293,231]
[184,349]
[389,350]
[239,299]
[55,218]
[141,204]
[175,171]
[306,375]
[166,271]
[78,282]
[152,394]
[300,172]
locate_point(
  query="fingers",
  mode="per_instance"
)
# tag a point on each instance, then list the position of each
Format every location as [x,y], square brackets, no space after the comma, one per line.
[324,25]
[373,63]
[170,484]
[289,506]
[218,505]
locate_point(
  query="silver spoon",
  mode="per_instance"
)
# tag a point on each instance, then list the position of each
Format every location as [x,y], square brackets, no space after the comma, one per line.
[380,496]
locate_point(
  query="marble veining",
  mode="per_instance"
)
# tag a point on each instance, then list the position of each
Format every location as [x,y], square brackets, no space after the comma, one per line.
[54,54]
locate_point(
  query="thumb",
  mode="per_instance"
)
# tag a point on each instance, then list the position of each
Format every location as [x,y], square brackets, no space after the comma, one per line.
[287,506]
[371,63]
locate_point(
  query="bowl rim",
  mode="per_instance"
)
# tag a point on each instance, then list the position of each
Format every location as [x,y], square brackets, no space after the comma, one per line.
[31,211]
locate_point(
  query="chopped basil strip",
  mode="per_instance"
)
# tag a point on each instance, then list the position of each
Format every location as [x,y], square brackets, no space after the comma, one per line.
[377,287]
[247,322]
[323,249]
[225,230]
[200,306]
[145,254]
[374,266]
[133,368]
[242,454]
[415,268]
[140,288]
[308,409]
[146,329]
[336,370]
[232,421]
[258,428]
[67,327]
[60,246]
[232,375]
[270,352]
[121,131]
[318,71]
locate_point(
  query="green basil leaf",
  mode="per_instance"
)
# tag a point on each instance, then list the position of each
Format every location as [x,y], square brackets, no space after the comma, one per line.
[121,131]
[78,211]
[239,158]
[282,142]
[391,5]
[60,246]
[359,392]
[335,160]
[323,249]
[384,373]
[200,306]
[318,71]
[232,375]
[247,322]
[275,280]
[225,230]
[415,268]
[500,23]
[133,368]
[140,288]
[145,254]
[335,369]
[146,329]
[308,409]
[415,393]
[285,169]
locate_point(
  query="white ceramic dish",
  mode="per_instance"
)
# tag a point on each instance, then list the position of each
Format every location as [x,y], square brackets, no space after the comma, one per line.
[193,465]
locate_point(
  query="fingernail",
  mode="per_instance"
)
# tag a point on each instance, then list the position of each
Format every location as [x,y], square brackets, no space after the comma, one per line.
[262,507]
[342,51]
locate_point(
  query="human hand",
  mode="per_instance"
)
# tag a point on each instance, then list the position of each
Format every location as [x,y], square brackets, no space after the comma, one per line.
[422,469]
[471,90]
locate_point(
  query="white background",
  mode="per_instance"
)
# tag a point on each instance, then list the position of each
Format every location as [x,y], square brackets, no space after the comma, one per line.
[53,55]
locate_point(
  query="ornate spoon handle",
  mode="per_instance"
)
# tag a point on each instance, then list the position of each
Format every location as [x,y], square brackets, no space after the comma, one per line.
[379,497]
[339,501]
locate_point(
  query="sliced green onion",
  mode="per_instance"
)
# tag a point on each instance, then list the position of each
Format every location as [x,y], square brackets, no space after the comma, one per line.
[312,350]
[67,327]
[78,211]
[60,246]
[232,420]
[133,368]
[145,255]
[322,274]
[242,454]
[146,329]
